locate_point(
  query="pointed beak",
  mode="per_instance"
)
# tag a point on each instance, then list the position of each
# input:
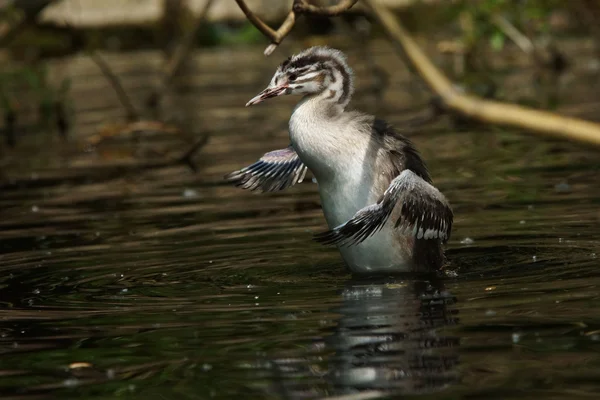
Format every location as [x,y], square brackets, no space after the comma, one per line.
[267,94]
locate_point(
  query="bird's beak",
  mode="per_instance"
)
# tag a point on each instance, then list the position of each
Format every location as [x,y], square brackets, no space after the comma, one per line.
[267,94]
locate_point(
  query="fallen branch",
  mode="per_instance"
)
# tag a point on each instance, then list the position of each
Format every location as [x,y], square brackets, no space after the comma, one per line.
[493,112]
[103,171]
[298,7]
[130,128]
[187,157]
[132,113]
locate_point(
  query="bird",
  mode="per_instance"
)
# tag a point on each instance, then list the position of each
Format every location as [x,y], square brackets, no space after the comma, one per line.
[383,213]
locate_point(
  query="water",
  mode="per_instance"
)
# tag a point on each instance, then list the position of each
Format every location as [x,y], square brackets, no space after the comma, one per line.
[168,284]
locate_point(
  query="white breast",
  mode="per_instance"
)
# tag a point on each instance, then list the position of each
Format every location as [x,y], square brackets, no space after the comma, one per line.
[340,153]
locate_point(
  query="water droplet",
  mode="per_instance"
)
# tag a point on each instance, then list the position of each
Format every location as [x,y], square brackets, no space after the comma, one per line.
[71,382]
[562,187]
[516,338]
[190,193]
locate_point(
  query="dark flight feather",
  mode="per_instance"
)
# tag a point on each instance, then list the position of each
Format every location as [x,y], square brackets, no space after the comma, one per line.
[276,170]
[425,213]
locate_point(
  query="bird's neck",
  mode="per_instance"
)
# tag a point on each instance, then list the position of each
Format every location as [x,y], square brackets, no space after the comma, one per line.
[321,106]
[323,134]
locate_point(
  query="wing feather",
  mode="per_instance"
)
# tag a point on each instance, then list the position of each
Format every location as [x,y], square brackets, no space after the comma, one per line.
[425,213]
[276,170]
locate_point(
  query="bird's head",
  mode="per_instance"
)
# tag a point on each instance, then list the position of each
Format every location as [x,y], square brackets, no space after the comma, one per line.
[315,71]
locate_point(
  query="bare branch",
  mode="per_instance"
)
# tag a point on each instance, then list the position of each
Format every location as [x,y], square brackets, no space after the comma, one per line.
[494,112]
[182,51]
[257,22]
[132,114]
[187,157]
[282,32]
[511,31]
[298,7]
[302,7]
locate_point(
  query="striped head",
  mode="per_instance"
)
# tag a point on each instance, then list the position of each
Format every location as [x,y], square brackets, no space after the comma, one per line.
[315,71]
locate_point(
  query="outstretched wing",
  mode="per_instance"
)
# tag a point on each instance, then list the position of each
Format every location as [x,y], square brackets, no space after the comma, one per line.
[276,170]
[425,213]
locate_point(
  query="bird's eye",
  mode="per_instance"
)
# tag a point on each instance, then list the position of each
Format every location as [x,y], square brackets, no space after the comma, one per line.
[292,77]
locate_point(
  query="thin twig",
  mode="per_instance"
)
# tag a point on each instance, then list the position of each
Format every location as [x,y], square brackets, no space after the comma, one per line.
[257,22]
[187,157]
[511,31]
[494,112]
[298,7]
[132,113]
[182,51]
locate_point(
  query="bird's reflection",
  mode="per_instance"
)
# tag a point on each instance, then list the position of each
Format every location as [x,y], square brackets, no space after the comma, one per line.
[389,337]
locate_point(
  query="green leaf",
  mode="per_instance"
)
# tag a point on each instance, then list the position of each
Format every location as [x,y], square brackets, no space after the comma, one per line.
[497,41]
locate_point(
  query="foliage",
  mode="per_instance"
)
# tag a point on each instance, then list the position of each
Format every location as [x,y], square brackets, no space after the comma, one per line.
[527,15]
[46,96]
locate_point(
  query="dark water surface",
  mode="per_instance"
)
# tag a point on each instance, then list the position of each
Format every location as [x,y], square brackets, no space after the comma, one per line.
[169,284]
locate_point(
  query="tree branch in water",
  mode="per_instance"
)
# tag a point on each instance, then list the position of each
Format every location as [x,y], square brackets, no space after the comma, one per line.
[132,113]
